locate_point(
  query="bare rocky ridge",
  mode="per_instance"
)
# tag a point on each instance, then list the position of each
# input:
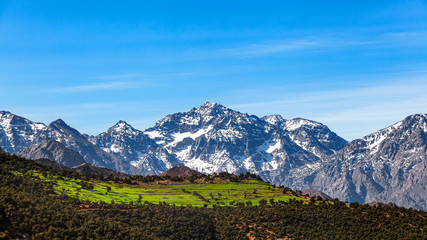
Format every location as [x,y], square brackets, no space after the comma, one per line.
[87,168]
[180,171]
[52,150]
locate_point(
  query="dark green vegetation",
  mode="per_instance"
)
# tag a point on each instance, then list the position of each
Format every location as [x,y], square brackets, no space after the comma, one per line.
[32,205]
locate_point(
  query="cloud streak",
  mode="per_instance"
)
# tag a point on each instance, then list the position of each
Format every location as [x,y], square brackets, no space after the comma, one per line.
[292,45]
[271,47]
[121,76]
[97,87]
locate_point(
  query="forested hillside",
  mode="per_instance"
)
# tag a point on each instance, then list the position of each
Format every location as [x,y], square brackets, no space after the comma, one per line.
[32,208]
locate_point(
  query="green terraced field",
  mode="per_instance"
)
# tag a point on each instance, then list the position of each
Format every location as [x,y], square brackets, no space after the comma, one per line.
[199,193]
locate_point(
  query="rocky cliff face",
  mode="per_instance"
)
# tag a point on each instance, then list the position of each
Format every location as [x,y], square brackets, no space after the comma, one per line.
[54,151]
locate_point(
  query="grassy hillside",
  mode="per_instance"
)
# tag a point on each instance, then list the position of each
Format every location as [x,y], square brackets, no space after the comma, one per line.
[37,202]
[202,191]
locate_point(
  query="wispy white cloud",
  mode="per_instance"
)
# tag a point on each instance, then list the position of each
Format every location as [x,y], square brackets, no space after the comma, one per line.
[291,45]
[271,47]
[121,76]
[98,87]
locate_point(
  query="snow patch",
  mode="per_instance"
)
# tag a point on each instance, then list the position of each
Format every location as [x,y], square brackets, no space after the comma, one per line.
[182,155]
[292,125]
[154,134]
[178,137]
[269,146]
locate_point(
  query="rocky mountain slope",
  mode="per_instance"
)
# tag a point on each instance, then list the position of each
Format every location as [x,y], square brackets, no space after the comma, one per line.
[52,150]
[213,138]
[18,133]
[134,147]
[388,165]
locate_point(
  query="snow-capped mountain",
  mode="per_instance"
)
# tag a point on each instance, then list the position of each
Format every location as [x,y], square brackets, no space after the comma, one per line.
[135,148]
[17,133]
[311,136]
[214,138]
[58,130]
[388,165]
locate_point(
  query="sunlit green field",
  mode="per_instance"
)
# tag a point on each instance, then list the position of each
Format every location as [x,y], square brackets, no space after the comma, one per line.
[218,192]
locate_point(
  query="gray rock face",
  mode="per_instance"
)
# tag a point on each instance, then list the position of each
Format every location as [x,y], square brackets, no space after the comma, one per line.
[388,165]
[54,151]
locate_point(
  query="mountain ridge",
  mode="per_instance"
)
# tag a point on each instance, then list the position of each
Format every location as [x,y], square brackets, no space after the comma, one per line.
[52,150]
[297,153]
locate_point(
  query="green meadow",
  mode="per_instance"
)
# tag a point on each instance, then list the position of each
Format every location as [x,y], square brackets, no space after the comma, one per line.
[220,192]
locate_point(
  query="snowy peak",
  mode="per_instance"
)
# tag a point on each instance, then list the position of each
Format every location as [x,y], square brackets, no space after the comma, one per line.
[413,128]
[122,127]
[297,123]
[17,132]
[59,122]
[313,137]
[416,120]
[60,131]
[274,119]
[213,109]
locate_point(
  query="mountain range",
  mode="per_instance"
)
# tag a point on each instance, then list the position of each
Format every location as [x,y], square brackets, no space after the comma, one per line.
[388,165]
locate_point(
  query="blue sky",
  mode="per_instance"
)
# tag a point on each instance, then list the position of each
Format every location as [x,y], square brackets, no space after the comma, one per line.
[356,66]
